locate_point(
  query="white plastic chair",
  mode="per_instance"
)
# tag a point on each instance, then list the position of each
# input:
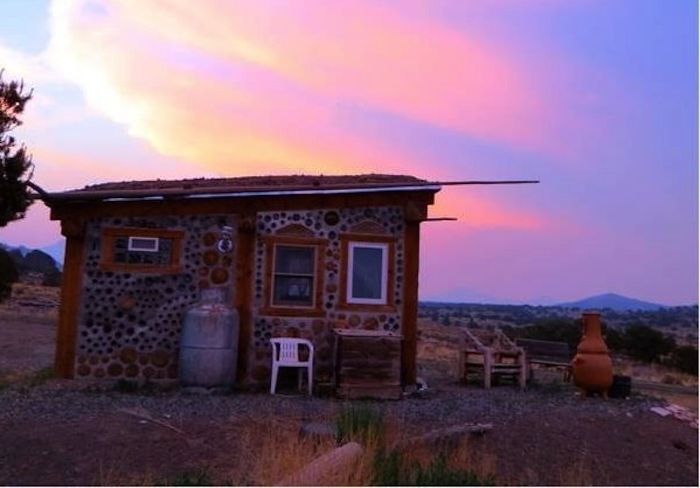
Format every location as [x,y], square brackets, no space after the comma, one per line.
[285,353]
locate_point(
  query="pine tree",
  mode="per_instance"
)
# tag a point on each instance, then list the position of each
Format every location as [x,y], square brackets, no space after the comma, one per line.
[15,163]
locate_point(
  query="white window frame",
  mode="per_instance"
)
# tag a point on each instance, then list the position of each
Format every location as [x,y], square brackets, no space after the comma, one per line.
[313,276]
[132,247]
[382,300]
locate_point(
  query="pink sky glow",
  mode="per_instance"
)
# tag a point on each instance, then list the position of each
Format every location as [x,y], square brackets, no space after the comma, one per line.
[597,99]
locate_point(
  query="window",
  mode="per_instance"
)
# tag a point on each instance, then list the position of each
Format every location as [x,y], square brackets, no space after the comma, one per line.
[293,278]
[143,244]
[145,250]
[142,250]
[367,273]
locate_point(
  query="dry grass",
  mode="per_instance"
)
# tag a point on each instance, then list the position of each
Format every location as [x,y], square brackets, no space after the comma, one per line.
[656,373]
[437,351]
[460,456]
[269,452]
[580,472]
[274,455]
[25,379]
[272,452]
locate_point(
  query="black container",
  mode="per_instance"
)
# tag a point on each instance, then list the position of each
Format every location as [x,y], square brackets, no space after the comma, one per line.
[621,387]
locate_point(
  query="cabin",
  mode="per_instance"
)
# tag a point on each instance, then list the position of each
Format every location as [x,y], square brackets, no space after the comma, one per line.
[297,256]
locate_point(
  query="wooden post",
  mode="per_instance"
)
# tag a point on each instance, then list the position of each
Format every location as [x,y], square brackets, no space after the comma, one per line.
[244,289]
[71,288]
[462,367]
[410,296]
[523,369]
[488,361]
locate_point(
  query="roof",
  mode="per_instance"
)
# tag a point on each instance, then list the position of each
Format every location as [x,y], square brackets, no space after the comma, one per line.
[244,186]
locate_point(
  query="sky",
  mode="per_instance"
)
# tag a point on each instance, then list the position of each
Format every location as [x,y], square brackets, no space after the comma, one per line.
[597,99]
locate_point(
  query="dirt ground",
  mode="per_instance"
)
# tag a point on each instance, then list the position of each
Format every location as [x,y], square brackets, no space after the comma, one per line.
[62,432]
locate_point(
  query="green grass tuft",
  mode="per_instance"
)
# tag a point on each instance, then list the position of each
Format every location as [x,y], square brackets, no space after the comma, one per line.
[393,469]
[41,376]
[438,473]
[359,422]
[192,477]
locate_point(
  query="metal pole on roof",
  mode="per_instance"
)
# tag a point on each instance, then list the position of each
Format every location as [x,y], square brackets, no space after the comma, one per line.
[484,182]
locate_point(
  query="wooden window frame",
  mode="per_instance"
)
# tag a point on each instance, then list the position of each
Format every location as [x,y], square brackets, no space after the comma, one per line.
[316,309]
[107,250]
[343,303]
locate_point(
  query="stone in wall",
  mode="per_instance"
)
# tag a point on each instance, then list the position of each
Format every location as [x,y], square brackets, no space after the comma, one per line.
[326,224]
[129,322]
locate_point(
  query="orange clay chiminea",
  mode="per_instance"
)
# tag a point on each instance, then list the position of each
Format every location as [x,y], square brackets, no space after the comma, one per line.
[592,366]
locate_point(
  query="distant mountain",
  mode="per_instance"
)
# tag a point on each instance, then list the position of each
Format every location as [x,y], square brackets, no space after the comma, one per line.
[32,260]
[22,250]
[462,294]
[612,301]
[56,251]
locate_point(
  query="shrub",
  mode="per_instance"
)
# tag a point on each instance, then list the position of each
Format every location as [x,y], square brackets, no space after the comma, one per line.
[8,274]
[685,359]
[646,344]
[614,339]
[561,330]
[52,278]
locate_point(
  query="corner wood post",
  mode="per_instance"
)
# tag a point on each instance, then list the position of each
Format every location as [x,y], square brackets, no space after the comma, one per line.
[244,289]
[410,301]
[71,287]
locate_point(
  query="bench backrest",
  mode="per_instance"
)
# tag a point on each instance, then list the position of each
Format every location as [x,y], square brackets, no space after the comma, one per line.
[537,349]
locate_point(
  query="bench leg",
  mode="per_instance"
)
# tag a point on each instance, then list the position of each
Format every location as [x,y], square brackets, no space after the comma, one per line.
[487,370]
[523,372]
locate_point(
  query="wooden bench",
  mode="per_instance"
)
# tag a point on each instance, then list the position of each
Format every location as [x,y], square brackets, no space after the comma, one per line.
[551,354]
[491,354]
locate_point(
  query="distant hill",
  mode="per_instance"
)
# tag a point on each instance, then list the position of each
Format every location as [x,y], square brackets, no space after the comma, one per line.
[33,261]
[614,302]
[56,251]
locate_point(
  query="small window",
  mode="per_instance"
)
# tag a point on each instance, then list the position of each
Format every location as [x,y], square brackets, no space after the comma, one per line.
[367,273]
[293,276]
[147,250]
[141,253]
[148,244]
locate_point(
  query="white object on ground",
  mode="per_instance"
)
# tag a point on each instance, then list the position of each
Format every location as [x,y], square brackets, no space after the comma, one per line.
[660,411]
[676,408]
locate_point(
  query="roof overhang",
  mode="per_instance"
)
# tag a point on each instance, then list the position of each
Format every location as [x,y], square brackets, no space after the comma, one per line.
[215,193]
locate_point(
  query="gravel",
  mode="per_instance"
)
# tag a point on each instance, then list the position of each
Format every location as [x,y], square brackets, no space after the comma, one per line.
[538,435]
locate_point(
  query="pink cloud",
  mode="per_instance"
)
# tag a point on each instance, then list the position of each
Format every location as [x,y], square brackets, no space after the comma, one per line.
[483,211]
[364,52]
[253,87]
[287,67]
